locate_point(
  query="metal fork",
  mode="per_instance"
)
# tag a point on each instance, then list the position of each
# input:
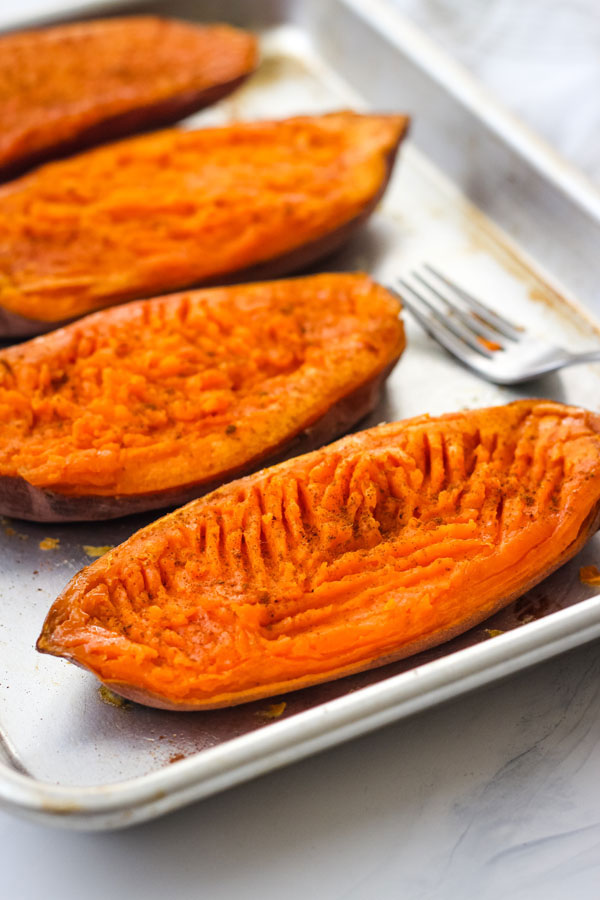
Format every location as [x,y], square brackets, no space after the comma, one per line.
[482,339]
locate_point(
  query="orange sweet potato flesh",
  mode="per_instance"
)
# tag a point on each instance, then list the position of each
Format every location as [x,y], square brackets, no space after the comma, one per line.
[385,543]
[177,208]
[155,402]
[71,86]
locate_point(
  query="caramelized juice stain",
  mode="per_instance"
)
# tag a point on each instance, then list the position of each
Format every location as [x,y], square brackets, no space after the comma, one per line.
[272,70]
[176,757]
[483,237]
[111,699]
[529,608]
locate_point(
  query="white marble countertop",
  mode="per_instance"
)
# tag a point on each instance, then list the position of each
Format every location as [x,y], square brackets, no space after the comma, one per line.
[494,795]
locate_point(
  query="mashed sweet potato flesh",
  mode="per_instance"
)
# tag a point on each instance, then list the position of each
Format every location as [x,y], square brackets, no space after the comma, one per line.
[185,388]
[176,208]
[373,548]
[60,84]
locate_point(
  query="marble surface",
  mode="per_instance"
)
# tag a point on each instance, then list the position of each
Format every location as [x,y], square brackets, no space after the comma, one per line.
[494,795]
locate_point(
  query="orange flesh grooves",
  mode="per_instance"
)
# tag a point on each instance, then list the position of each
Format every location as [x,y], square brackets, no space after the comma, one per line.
[177,208]
[181,390]
[382,544]
[110,77]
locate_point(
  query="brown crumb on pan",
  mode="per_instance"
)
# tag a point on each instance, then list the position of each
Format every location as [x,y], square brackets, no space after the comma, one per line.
[9,531]
[493,632]
[49,543]
[7,527]
[176,757]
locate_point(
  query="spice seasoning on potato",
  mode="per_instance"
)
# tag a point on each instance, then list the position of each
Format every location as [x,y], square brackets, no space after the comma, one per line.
[378,546]
[153,403]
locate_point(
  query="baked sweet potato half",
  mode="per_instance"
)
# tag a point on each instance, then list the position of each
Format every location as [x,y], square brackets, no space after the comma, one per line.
[70,86]
[164,211]
[378,546]
[158,401]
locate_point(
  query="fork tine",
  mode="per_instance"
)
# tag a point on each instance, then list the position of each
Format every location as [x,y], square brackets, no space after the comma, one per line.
[470,319]
[436,328]
[500,323]
[447,323]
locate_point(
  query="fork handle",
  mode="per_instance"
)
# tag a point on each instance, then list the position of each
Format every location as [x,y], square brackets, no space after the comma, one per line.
[590,356]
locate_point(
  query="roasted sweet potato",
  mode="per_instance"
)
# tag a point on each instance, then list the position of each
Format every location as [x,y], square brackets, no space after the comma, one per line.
[168,210]
[71,86]
[385,543]
[158,401]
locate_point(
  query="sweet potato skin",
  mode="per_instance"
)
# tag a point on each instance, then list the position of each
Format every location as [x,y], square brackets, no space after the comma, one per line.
[165,211]
[381,545]
[153,403]
[68,87]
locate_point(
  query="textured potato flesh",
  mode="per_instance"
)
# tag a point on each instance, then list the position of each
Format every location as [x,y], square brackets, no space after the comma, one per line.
[57,82]
[379,545]
[176,208]
[178,390]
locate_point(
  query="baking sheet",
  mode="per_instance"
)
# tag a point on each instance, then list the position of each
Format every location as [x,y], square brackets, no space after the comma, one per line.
[75,755]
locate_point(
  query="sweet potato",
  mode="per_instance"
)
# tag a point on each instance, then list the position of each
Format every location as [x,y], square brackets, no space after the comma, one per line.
[383,544]
[168,210]
[155,402]
[71,86]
